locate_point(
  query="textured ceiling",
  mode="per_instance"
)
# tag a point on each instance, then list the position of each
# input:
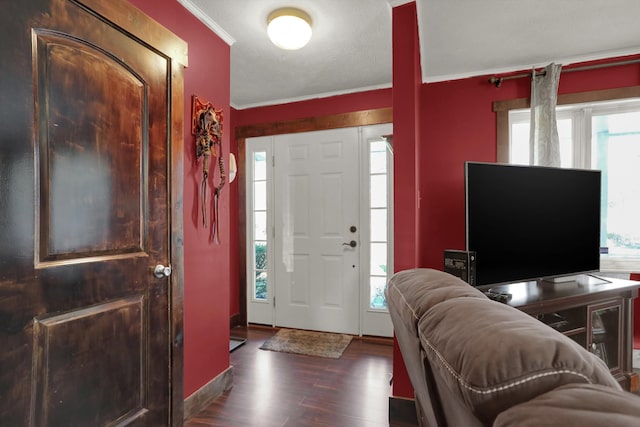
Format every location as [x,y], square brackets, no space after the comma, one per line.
[350,49]
[462,38]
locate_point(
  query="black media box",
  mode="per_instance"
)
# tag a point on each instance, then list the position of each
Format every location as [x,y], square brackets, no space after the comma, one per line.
[461,264]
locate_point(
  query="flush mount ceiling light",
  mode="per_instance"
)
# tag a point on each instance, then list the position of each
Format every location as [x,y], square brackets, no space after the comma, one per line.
[289,28]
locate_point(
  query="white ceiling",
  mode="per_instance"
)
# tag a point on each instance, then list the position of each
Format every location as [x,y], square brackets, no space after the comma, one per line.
[350,50]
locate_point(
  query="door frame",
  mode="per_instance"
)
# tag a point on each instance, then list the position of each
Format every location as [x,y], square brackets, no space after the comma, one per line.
[126,16]
[333,121]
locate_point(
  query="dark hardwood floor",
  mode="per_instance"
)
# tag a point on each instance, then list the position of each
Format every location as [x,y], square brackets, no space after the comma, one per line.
[280,389]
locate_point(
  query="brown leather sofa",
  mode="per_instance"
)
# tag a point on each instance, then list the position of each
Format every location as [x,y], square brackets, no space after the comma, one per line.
[477,362]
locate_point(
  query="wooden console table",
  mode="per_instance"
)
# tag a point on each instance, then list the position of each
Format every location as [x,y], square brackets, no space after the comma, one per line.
[595,311]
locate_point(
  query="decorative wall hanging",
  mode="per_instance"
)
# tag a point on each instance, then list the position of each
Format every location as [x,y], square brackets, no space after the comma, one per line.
[207,127]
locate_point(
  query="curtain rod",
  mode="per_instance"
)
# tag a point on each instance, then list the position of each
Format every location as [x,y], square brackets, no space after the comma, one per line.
[497,81]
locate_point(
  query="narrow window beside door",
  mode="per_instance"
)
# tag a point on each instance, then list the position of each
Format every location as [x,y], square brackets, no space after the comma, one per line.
[378,201]
[260,225]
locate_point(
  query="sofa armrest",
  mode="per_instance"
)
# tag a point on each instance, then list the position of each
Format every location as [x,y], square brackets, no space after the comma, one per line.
[492,356]
[410,294]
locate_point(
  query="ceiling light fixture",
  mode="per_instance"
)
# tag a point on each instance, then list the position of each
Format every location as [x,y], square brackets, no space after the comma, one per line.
[289,28]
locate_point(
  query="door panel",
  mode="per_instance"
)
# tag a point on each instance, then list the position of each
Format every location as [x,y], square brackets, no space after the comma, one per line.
[69,349]
[83,179]
[84,137]
[316,186]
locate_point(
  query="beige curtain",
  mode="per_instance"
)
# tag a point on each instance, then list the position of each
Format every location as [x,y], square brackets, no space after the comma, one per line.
[544,141]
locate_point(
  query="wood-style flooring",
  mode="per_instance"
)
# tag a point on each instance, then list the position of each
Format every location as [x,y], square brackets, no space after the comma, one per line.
[280,389]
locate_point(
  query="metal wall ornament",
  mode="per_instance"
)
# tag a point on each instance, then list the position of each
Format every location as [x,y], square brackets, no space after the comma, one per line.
[207,128]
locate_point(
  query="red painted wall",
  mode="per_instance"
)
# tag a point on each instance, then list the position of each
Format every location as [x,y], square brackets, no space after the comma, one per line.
[406,155]
[380,98]
[207,268]
[461,126]
[406,132]
[234,237]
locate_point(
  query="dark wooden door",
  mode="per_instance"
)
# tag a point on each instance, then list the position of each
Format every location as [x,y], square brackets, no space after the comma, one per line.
[85,133]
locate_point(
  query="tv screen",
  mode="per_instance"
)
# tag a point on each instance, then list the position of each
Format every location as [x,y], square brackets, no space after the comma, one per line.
[529,222]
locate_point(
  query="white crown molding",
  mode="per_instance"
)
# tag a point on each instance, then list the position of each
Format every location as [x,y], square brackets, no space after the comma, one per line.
[206,20]
[562,61]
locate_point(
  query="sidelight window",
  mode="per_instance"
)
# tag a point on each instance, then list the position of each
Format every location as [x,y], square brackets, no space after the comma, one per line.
[379,202]
[259,215]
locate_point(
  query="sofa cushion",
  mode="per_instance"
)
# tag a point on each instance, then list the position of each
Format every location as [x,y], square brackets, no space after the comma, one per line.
[575,405]
[413,292]
[493,356]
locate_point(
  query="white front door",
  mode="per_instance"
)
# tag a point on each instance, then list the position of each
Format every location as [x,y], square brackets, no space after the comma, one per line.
[317,245]
[309,195]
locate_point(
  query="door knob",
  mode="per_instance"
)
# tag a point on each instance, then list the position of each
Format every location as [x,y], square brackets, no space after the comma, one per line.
[161,271]
[352,243]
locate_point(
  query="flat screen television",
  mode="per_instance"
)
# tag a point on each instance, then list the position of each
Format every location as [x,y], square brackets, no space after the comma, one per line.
[528,223]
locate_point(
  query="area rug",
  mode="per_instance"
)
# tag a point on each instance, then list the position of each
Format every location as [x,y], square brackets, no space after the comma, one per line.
[310,343]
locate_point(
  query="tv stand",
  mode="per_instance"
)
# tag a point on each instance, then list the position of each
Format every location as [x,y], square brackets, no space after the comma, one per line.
[581,279]
[595,312]
[561,279]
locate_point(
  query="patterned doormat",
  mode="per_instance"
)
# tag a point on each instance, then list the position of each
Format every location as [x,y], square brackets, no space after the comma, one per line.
[310,343]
